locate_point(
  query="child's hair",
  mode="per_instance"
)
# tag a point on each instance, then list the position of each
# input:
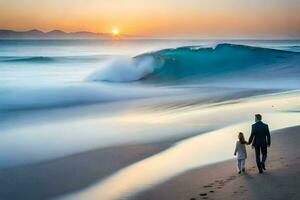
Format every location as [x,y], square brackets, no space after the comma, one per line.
[242,138]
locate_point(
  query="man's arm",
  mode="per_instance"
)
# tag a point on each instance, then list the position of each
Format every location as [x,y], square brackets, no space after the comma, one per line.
[251,136]
[268,136]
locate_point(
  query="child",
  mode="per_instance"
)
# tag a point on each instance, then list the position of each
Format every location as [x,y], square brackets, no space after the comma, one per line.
[240,149]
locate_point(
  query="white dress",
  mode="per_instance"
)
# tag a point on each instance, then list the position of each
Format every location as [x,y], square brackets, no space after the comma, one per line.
[240,149]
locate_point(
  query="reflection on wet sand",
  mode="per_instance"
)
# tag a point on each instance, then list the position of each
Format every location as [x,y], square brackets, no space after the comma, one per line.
[197,151]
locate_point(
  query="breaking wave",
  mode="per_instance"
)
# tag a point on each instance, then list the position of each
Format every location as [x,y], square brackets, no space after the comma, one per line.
[186,63]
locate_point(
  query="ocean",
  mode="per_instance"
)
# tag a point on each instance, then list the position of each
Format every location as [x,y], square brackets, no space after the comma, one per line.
[63,97]
[50,66]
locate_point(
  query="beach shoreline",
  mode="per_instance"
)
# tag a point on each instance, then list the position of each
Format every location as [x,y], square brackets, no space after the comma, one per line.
[221,180]
[79,171]
[70,175]
[49,179]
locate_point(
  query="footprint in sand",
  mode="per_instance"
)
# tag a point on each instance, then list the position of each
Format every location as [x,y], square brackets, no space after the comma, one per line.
[203,194]
[212,191]
[207,186]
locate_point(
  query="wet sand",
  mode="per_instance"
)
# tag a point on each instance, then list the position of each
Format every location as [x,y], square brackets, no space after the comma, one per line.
[281,180]
[68,174]
[219,181]
[56,177]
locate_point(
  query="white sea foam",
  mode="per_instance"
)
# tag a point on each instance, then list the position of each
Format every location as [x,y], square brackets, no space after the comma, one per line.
[123,70]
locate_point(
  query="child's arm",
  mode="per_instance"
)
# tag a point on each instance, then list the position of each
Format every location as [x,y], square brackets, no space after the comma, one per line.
[235,150]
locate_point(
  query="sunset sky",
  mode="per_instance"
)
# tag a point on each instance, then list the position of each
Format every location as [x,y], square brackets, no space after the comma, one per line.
[165,18]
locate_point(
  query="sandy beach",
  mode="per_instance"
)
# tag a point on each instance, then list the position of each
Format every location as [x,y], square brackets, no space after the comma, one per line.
[94,173]
[59,176]
[217,181]
[164,168]
[221,181]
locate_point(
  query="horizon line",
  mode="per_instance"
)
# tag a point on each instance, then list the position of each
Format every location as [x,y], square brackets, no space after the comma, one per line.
[241,37]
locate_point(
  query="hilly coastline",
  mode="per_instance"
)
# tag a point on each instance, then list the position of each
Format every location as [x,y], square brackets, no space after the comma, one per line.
[57,34]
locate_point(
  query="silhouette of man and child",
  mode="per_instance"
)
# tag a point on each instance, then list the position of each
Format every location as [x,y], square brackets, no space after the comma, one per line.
[260,140]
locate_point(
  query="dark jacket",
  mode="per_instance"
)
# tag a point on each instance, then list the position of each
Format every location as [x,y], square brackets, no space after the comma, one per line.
[260,134]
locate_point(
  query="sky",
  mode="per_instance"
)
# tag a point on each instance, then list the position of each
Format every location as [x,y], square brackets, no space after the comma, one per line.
[158,18]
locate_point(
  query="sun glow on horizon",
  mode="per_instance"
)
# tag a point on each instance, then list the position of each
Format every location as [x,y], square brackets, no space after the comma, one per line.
[167,18]
[115,32]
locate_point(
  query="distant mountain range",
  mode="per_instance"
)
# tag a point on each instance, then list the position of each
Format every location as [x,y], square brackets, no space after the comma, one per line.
[57,34]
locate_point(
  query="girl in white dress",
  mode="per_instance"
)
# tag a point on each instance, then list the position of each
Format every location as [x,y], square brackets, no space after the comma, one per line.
[240,150]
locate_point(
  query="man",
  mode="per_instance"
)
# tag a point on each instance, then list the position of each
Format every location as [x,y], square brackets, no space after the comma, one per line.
[260,139]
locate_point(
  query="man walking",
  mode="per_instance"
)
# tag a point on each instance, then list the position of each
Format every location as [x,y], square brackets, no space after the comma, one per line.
[260,139]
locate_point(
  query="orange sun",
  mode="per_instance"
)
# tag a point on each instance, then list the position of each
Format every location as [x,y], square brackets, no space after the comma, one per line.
[115,32]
